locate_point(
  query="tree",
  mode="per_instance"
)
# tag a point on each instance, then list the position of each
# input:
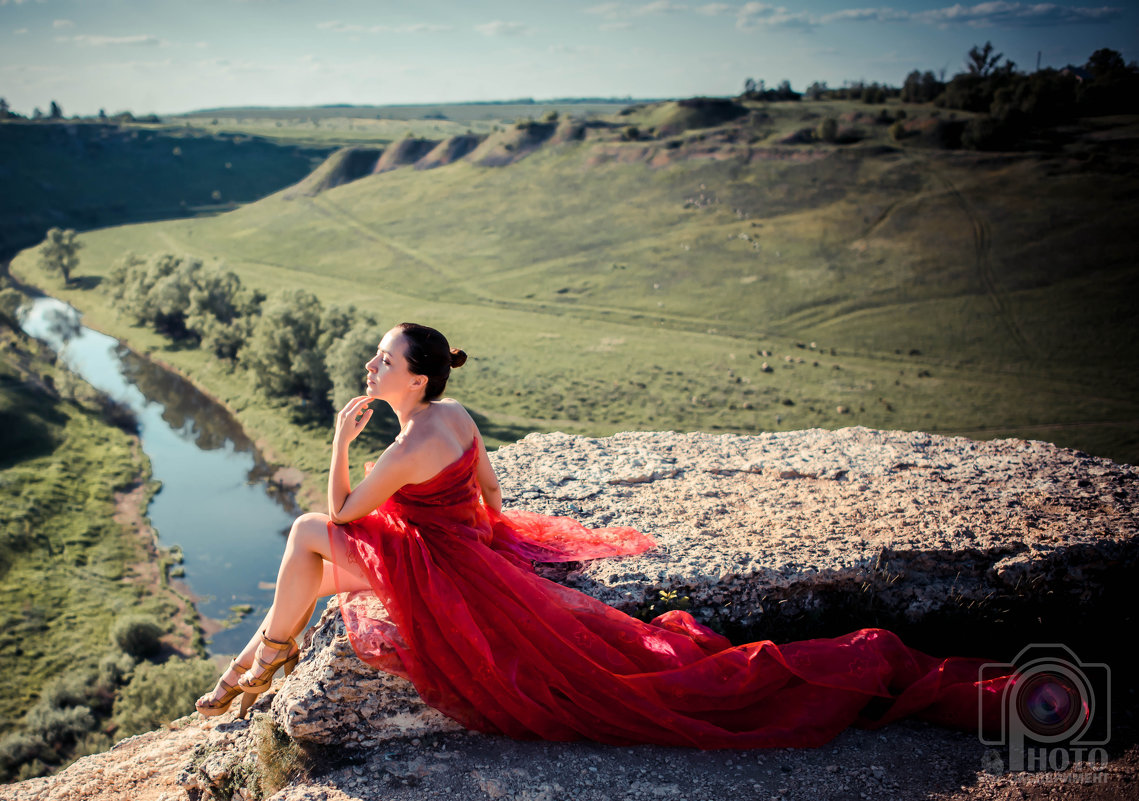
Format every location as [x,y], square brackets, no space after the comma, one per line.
[222,312]
[346,358]
[10,300]
[56,112]
[828,129]
[1104,62]
[59,253]
[921,87]
[750,86]
[981,61]
[817,90]
[284,353]
[5,111]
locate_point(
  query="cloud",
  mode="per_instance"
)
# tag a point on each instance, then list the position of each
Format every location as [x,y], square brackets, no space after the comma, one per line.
[616,26]
[19,31]
[500,28]
[762,15]
[336,26]
[1017,15]
[753,15]
[866,15]
[714,9]
[62,23]
[659,7]
[607,10]
[94,40]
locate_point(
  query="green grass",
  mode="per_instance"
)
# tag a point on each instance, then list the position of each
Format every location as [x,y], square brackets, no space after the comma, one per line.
[85,175]
[65,563]
[959,292]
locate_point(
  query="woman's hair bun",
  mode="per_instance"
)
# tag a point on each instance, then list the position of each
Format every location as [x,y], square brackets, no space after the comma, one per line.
[458,357]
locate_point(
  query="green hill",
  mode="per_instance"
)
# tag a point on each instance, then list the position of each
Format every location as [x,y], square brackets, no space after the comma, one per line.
[86,175]
[607,282]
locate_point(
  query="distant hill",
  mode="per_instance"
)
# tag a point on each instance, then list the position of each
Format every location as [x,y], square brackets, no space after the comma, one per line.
[89,175]
[753,266]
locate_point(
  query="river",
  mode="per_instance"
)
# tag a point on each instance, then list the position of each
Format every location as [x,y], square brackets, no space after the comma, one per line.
[215,502]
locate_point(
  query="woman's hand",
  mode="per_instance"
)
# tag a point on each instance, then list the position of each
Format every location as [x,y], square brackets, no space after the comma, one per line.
[350,421]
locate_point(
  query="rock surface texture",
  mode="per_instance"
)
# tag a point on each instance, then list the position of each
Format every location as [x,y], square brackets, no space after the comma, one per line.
[761,530]
[772,533]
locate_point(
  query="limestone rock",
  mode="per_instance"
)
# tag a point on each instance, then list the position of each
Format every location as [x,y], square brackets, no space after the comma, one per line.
[332,698]
[762,532]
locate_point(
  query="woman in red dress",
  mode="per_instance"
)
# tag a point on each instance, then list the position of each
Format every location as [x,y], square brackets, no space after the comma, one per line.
[499,649]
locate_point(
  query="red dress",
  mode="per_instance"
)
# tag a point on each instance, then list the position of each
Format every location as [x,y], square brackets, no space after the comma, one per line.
[500,649]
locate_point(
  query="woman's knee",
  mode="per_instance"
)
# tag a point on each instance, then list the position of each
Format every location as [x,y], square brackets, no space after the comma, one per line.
[310,532]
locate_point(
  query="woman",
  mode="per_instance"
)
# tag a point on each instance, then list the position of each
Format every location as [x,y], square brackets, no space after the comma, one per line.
[489,643]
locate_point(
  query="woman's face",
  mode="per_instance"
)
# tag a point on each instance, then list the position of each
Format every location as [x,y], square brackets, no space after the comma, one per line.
[387,370]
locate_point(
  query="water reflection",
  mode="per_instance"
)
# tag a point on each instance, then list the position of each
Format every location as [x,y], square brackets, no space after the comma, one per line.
[215,502]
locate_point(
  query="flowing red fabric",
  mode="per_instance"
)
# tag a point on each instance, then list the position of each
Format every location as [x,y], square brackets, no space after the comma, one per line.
[500,649]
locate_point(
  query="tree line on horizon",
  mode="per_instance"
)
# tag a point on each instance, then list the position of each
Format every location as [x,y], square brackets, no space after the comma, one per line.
[1104,84]
[1009,103]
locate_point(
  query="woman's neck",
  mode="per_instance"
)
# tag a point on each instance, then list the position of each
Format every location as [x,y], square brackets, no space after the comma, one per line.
[408,410]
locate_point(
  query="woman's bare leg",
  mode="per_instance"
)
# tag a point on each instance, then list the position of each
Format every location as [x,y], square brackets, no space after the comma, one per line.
[343,577]
[301,579]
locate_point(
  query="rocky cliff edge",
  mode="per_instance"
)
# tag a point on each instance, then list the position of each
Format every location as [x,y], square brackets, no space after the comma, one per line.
[781,535]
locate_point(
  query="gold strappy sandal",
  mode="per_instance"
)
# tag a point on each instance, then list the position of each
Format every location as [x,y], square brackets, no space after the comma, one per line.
[264,679]
[213,707]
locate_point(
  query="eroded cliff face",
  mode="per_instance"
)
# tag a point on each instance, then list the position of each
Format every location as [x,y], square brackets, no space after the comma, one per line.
[776,536]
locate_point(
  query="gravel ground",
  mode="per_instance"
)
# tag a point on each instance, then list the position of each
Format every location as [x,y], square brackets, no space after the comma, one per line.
[904,761]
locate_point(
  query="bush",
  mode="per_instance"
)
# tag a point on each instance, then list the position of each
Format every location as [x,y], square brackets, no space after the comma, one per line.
[158,694]
[138,635]
[828,129]
[10,300]
[59,727]
[114,670]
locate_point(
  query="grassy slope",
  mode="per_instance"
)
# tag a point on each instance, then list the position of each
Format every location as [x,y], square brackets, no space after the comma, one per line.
[597,294]
[65,563]
[86,175]
[379,124]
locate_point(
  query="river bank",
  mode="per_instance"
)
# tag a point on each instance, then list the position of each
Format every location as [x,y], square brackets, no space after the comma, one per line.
[76,553]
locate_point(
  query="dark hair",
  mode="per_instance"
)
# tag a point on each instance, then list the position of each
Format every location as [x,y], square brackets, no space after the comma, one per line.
[429,354]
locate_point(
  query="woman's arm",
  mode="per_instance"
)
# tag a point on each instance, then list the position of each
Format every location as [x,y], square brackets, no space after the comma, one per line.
[488,481]
[346,504]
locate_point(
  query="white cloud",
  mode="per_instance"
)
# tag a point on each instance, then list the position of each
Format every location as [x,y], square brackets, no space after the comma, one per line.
[614,11]
[752,15]
[714,9]
[762,15]
[336,26]
[500,28]
[659,7]
[607,10]
[1017,15]
[94,40]
[615,26]
[62,23]
[866,14]
[19,31]
[14,2]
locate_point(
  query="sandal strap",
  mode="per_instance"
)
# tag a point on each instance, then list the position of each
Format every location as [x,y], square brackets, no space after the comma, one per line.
[289,643]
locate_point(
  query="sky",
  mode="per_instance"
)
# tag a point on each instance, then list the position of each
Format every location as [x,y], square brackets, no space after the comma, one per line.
[170,56]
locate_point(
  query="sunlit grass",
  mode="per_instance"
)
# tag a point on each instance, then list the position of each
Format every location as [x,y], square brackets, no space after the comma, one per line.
[959,293]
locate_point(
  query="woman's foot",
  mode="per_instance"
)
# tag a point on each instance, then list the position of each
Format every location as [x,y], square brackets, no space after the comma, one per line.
[218,702]
[271,655]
